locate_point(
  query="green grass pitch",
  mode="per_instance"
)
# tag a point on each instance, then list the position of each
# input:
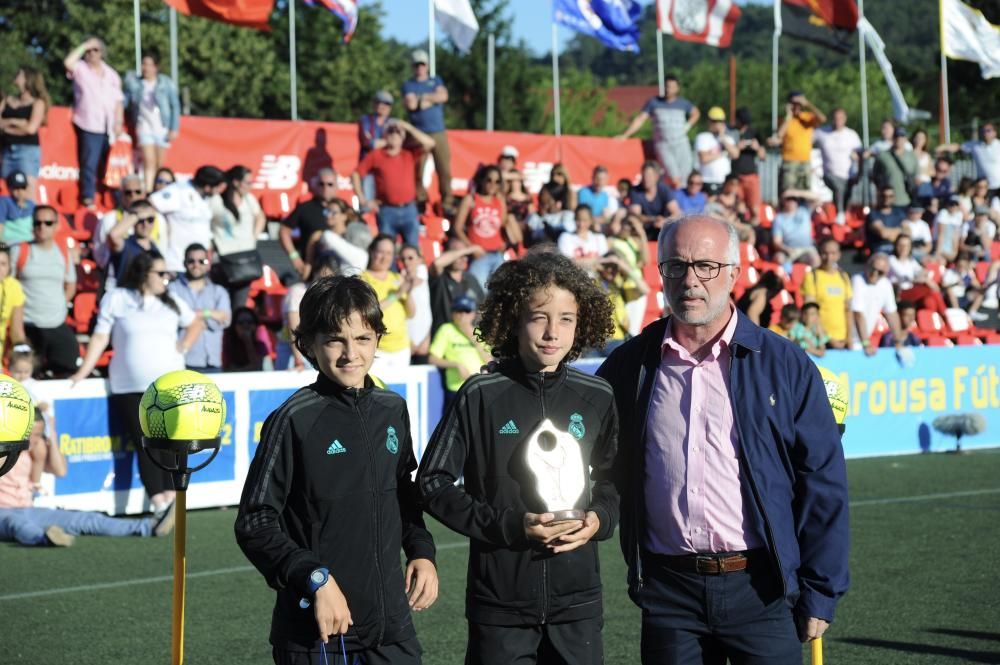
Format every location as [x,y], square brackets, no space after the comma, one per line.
[924,563]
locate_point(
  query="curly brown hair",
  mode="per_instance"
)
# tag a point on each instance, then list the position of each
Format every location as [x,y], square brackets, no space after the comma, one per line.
[510,290]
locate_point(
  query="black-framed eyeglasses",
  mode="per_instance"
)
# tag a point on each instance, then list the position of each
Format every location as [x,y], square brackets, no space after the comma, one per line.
[704,270]
[196,262]
[43,222]
[145,220]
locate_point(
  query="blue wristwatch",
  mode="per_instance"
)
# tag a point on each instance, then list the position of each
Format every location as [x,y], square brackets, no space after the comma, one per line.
[317,579]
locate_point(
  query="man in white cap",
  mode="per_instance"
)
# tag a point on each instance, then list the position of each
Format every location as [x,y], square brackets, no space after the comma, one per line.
[715,150]
[507,161]
[425,96]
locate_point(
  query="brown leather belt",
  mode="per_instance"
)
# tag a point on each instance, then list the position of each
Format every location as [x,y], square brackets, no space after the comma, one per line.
[711,564]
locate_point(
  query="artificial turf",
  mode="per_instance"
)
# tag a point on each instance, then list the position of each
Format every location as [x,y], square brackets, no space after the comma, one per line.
[925,584]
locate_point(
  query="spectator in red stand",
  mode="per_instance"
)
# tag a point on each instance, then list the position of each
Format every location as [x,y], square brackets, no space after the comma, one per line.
[561,187]
[595,196]
[908,322]
[841,149]
[395,202]
[11,303]
[371,130]
[716,151]
[132,235]
[519,202]
[154,112]
[100,245]
[424,97]
[792,232]
[235,229]
[507,161]
[884,222]
[795,136]
[653,200]
[188,208]
[692,199]
[164,177]
[963,289]
[745,166]
[482,220]
[910,279]
[48,277]
[98,111]
[872,296]
[308,218]
[450,280]
[413,265]
[242,350]
[585,246]
[210,303]
[21,117]
[340,239]
[16,210]
[728,205]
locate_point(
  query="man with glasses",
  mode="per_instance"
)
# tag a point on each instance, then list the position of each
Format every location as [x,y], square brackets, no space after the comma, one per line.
[873,297]
[884,222]
[131,191]
[424,97]
[740,551]
[395,193]
[16,210]
[48,278]
[308,218]
[210,302]
[132,235]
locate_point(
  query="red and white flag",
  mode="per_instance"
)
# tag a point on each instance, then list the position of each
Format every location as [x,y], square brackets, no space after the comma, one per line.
[244,13]
[704,21]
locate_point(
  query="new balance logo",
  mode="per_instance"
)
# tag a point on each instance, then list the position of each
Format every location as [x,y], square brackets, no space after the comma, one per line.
[509,428]
[336,448]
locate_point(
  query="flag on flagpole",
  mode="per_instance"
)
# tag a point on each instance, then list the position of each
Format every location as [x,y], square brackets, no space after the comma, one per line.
[708,22]
[345,10]
[613,22]
[827,23]
[967,35]
[458,22]
[244,13]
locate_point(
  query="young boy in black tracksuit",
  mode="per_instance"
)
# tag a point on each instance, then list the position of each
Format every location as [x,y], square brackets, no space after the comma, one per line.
[534,586]
[328,500]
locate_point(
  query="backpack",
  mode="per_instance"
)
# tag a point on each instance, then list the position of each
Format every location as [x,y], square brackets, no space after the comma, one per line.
[24,251]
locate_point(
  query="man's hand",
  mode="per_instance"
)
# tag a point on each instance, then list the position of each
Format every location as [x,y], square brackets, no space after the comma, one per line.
[421,584]
[810,629]
[536,527]
[580,537]
[332,614]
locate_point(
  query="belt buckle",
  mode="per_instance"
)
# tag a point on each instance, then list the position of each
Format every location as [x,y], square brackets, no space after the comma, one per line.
[709,559]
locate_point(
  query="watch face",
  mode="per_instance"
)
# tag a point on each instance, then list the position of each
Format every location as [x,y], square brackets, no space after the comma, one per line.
[317,576]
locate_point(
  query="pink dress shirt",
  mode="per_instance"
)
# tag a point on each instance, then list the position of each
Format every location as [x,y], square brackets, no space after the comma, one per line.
[694,501]
[95,96]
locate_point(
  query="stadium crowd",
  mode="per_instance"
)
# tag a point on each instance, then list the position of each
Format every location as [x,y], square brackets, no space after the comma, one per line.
[85,285]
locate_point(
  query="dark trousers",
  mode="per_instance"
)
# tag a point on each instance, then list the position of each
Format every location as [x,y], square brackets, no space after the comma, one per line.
[570,643]
[92,154]
[56,348]
[124,409]
[407,652]
[694,619]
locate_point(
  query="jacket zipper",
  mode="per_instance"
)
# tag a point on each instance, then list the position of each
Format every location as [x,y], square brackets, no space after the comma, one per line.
[753,483]
[635,496]
[545,562]
[369,448]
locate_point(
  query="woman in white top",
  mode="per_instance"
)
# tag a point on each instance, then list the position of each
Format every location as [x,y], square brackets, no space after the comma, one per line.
[154,112]
[909,278]
[418,327]
[237,225]
[585,246]
[141,320]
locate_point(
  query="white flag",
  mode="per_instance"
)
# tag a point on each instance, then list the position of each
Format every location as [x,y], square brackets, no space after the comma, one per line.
[967,35]
[457,20]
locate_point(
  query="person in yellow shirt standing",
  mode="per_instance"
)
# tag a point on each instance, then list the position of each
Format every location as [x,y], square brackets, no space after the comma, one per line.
[830,287]
[393,298]
[455,348]
[11,303]
[795,136]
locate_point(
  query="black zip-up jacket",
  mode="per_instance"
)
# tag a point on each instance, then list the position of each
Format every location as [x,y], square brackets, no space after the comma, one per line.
[330,486]
[513,581]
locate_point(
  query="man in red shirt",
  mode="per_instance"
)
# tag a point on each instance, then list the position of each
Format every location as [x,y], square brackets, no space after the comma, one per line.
[395,189]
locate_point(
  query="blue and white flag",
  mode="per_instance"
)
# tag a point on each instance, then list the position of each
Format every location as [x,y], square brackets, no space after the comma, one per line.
[614,22]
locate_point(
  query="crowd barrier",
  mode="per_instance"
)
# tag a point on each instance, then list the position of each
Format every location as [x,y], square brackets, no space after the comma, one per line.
[891,411]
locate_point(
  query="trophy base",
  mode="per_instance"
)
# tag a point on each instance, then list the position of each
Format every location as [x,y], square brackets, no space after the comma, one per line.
[561,516]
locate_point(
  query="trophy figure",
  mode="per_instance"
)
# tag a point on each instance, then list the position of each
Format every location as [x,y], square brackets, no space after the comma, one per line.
[555,459]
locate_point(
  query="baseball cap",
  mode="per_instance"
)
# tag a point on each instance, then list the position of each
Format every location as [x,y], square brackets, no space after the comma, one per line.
[463,304]
[17,180]
[419,55]
[510,151]
[900,131]
[383,97]
[716,114]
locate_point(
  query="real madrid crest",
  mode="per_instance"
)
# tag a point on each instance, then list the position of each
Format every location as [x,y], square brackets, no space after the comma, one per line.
[391,442]
[576,427]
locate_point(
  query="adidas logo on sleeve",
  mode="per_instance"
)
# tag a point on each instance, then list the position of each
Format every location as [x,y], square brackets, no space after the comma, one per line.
[509,428]
[336,448]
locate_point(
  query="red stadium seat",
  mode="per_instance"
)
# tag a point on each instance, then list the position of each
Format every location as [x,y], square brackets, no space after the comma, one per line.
[268,283]
[84,308]
[88,276]
[968,340]
[276,205]
[799,272]
[765,216]
[982,271]
[995,251]
[430,248]
[435,227]
[937,340]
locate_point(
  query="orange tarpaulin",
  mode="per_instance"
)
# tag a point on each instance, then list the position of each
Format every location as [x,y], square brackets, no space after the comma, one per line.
[244,13]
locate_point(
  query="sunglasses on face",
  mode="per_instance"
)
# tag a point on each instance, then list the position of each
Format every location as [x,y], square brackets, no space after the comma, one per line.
[46,222]
[164,181]
[162,274]
[196,262]
[328,184]
[145,220]
[132,192]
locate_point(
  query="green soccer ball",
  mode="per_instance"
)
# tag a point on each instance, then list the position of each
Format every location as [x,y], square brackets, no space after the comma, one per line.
[17,413]
[182,406]
[836,393]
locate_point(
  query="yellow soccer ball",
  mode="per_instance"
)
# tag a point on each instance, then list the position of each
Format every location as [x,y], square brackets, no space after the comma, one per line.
[836,392]
[17,413]
[182,406]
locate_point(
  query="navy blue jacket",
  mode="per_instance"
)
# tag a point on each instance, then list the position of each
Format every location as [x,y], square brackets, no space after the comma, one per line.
[792,462]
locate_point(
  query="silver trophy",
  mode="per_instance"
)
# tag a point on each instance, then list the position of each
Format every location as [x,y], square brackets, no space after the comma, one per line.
[560,477]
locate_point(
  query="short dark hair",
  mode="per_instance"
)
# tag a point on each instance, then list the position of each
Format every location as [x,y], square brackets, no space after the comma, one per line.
[208,176]
[509,292]
[152,54]
[136,271]
[671,77]
[580,207]
[789,311]
[141,204]
[810,305]
[328,302]
[195,247]
[905,304]
[42,208]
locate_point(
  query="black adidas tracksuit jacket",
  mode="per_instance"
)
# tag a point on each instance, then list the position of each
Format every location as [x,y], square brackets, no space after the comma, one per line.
[330,486]
[511,580]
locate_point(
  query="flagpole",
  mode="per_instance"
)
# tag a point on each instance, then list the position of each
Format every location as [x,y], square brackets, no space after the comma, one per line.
[555,76]
[774,65]
[138,37]
[862,55]
[431,39]
[293,74]
[490,72]
[174,65]
[732,86]
[945,112]
[659,60]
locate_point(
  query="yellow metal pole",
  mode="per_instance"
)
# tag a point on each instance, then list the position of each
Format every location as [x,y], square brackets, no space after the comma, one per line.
[817,651]
[180,576]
